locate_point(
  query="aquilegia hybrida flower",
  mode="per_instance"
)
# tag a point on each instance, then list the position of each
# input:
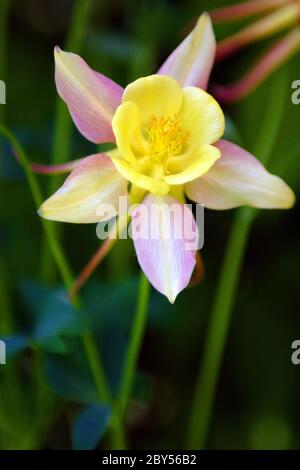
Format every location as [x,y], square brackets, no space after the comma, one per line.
[167,132]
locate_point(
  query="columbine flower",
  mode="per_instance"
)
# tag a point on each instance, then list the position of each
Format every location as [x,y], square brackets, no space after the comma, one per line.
[167,132]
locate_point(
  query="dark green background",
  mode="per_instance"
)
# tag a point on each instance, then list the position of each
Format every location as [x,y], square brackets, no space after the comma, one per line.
[257,402]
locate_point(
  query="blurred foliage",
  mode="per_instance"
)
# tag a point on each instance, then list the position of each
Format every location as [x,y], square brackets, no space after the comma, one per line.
[46,381]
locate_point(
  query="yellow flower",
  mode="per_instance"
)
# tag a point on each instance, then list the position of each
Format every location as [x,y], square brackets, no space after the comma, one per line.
[167,132]
[164,133]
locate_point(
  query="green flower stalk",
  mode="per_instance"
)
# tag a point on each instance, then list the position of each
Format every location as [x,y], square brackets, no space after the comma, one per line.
[280,15]
[219,321]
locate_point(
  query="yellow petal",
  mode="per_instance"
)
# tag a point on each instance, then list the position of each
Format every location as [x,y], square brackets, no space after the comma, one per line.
[127,130]
[201,116]
[92,188]
[194,164]
[132,174]
[155,95]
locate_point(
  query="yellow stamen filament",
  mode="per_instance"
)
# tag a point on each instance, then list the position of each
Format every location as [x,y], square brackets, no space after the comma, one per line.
[166,136]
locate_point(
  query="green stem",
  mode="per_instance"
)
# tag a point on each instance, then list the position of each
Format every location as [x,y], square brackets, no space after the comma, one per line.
[38,199]
[62,139]
[92,352]
[137,333]
[98,370]
[118,439]
[218,329]
[219,321]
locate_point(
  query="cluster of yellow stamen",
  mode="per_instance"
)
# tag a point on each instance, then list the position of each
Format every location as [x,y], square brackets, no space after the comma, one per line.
[166,136]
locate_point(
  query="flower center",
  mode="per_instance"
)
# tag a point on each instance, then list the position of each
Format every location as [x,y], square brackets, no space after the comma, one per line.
[166,136]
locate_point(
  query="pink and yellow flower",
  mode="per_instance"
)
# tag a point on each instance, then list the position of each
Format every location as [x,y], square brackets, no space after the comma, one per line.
[167,132]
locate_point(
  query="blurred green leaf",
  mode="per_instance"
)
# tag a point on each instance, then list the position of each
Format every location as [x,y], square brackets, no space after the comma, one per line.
[89,427]
[70,377]
[54,318]
[15,344]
